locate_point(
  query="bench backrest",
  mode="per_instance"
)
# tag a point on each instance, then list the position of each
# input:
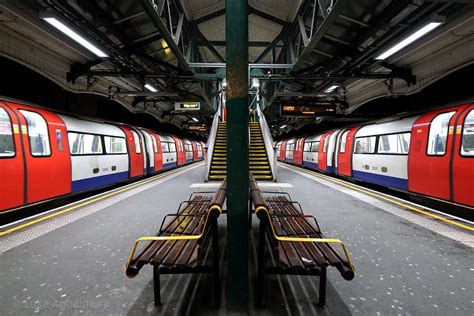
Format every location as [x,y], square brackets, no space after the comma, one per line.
[257,197]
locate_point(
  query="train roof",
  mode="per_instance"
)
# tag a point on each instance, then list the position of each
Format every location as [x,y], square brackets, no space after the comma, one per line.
[390,127]
[314,138]
[166,138]
[74,124]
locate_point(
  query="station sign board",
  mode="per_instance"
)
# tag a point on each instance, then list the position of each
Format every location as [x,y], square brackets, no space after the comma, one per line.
[197,127]
[187,106]
[307,109]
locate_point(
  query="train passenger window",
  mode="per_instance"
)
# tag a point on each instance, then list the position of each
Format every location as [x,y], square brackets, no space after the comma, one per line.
[315,147]
[438,135]
[343,142]
[38,135]
[172,147]
[7,147]
[394,144]
[155,144]
[291,147]
[467,142]
[136,140]
[115,145]
[84,144]
[365,145]
[307,146]
[164,147]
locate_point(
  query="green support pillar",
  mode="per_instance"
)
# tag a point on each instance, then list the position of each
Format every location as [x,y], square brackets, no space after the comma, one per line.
[237,155]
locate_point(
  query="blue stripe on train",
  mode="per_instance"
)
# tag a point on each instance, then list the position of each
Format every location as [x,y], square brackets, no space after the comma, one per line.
[169,165]
[189,160]
[289,160]
[99,181]
[310,165]
[329,169]
[392,182]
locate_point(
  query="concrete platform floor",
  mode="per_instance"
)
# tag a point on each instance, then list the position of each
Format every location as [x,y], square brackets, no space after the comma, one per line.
[73,265]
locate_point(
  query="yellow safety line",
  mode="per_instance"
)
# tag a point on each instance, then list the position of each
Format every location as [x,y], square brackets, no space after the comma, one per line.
[412,208]
[8,231]
[307,239]
[168,238]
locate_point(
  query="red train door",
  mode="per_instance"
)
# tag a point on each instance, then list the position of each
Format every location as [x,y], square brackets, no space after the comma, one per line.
[298,153]
[48,162]
[195,151]
[135,154]
[462,189]
[344,152]
[322,154]
[157,152]
[12,161]
[430,154]
[180,151]
[283,150]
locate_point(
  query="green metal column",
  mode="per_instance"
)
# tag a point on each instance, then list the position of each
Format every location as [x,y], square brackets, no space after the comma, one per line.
[237,155]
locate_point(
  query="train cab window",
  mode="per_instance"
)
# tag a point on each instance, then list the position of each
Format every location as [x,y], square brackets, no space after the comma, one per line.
[438,135]
[115,145]
[365,145]
[7,147]
[136,140]
[164,147]
[172,147]
[38,135]
[343,142]
[84,144]
[315,147]
[397,144]
[467,142]
[155,144]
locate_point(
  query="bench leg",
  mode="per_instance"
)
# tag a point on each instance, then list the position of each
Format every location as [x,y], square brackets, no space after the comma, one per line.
[322,288]
[260,263]
[215,261]
[156,284]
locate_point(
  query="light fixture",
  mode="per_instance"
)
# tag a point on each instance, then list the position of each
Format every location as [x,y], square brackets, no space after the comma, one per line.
[408,40]
[224,83]
[76,37]
[150,88]
[195,119]
[283,126]
[331,88]
[255,83]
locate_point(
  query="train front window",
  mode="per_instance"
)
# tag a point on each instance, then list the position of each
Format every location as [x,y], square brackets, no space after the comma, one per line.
[438,135]
[38,135]
[7,147]
[467,142]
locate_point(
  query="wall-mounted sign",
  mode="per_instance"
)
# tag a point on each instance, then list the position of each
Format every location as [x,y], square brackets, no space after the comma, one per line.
[187,106]
[196,127]
[304,109]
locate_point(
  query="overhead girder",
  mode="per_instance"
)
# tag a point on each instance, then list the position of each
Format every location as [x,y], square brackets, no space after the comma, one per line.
[250,10]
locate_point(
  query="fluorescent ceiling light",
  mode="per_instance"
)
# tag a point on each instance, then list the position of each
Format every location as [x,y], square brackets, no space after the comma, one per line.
[410,39]
[150,88]
[195,119]
[224,83]
[255,83]
[76,37]
[331,88]
[283,126]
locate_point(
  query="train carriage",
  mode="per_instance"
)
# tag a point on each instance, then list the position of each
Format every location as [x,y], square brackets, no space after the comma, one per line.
[189,152]
[135,152]
[326,151]
[180,151]
[289,150]
[169,150]
[298,152]
[310,152]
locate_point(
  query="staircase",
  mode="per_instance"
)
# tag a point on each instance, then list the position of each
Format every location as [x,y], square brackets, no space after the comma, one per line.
[258,160]
[218,168]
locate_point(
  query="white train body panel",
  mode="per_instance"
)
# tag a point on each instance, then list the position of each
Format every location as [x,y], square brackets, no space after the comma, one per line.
[310,158]
[188,147]
[95,170]
[389,170]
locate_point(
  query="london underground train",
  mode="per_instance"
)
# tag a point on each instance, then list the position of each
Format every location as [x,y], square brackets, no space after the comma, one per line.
[429,154]
[44,155]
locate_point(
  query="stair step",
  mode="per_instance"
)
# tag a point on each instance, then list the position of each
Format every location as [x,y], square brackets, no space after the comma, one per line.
[255,167]
[218,167]
[218,171]
[223,162]
[258,177]
[258,163]
[260,172]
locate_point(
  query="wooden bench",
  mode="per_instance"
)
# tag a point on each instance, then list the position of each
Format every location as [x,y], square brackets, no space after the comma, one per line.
[296,241]
[178,246]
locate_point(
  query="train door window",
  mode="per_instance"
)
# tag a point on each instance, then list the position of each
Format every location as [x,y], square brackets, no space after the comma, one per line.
[278,147]
[164,147]
[7,146]
[136,140]
[467,142]
[325,144]
[155,144]
[38,135]
[172,147]
[115,145]
[397,144]
[315,146]
[365,145]
[343,142]
[438,135]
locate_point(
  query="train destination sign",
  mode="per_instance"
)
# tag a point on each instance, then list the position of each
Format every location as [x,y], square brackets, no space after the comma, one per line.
[299,109]
[196,127]
[187,106]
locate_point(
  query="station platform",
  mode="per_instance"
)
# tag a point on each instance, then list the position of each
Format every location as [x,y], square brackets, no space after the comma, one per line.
[71,261]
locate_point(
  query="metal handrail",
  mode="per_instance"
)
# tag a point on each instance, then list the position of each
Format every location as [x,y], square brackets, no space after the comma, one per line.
[268,140]
[211,141]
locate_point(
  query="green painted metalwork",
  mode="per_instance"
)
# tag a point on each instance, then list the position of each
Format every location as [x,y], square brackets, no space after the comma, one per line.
[237,155]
